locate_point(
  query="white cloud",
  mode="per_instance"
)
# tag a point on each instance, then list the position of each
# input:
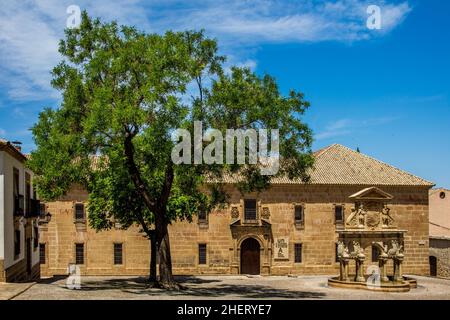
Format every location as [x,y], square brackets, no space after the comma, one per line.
[345,127]
[30,30]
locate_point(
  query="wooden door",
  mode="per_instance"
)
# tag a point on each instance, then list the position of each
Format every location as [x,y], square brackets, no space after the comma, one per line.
[250,257]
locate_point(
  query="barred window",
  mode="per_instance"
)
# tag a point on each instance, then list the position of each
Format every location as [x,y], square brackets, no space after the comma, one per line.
[250,209]
[42,253]
[202,253]
[118,253]
[79,253]
[298,252]
[79,211]
[202,216]
[339,213]
[298,214]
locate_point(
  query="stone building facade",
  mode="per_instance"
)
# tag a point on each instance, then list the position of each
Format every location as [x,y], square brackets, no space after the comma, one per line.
[291,228]
[19,211]
[440,232]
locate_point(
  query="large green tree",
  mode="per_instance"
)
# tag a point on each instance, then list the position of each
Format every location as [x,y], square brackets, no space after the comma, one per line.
[124,92]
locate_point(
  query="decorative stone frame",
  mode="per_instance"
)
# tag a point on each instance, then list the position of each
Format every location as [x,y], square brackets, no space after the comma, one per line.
[339,224]
[258,210]
[262,251]
[265,253]
[80,224]
[299,225]
[203,223]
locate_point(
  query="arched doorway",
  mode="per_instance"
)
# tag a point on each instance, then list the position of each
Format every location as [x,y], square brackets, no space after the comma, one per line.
[250,256]
[433,266]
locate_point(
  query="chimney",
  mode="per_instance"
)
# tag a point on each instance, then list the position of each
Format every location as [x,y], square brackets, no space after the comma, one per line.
[17,145]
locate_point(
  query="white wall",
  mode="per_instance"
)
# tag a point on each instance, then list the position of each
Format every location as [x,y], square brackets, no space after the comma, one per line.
[2,210]
[9,163]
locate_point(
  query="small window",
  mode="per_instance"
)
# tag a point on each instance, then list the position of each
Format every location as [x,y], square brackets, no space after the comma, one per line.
[375,254]
[79,253]
[118,253]
[298,214]
[442,195]
[298,252]
[202,216]
[339,213]
[16,242]
[202,253]
[42,253]
[79,211]
[250,209]
[36,238]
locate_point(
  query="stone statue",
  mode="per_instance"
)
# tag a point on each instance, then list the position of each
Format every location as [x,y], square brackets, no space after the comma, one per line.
[342,250]
[396,250]
[361,215]
[386,218]
[358,252]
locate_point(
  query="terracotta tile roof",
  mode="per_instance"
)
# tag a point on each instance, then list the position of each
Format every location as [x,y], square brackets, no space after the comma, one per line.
[339,165]
[11,149]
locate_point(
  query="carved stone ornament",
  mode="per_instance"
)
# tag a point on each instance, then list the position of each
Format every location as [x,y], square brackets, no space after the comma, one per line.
[234,212]
[370,215]
[342,251]
[265,213]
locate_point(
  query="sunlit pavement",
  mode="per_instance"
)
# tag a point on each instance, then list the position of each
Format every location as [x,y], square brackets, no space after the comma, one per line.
[224,287]
[11,290]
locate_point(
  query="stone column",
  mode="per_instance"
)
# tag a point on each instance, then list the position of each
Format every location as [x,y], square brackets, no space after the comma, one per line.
[382,260]
[345,271]
[360,270]
[398,270]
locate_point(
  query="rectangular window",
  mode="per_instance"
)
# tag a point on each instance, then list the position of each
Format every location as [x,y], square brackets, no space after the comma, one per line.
[16,242]
[298,252]
[16,181]
[298,214]
[79,211]
[202,253]
[202,216]
[118,253]
[27,193]
[339,213]
[250,209]
[36,238]
[42,253]
[79,253]
[18,198]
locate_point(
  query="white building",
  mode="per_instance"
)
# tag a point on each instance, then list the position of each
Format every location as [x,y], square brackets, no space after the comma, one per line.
[19,213]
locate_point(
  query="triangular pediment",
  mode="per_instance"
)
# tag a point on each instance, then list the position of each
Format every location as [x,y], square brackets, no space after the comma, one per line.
[372,193]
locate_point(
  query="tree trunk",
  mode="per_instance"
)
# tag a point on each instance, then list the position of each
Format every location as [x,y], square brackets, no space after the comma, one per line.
[152,276]
[166,279]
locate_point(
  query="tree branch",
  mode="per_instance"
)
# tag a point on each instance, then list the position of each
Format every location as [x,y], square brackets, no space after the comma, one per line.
[134,171]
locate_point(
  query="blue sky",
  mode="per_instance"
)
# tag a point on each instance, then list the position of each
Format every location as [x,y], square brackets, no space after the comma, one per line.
[385,91]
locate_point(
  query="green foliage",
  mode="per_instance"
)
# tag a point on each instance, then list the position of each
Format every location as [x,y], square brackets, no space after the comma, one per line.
[120,85]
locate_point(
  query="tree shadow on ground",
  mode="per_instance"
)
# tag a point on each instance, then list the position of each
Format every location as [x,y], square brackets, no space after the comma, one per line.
[197,287]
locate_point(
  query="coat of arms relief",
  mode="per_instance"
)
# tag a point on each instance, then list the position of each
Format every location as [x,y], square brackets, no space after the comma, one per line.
[371,211]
